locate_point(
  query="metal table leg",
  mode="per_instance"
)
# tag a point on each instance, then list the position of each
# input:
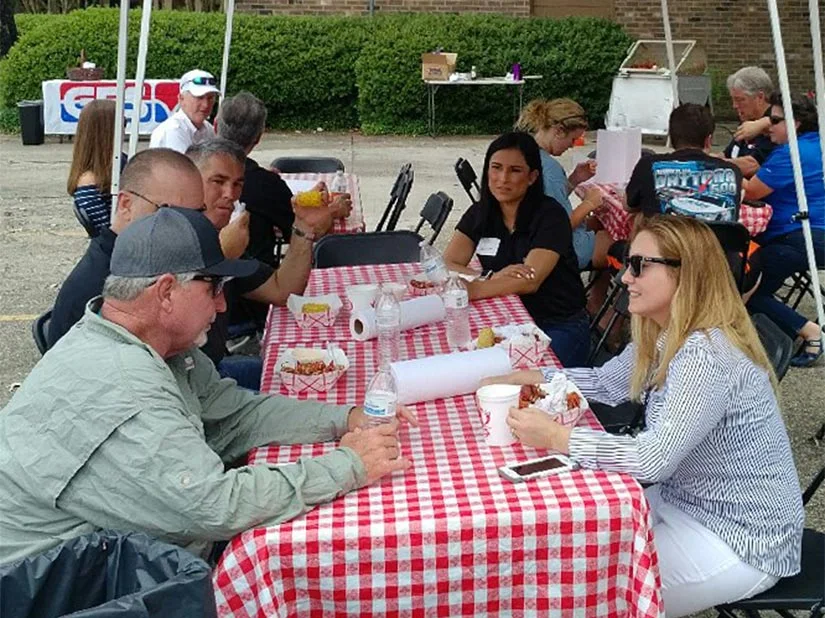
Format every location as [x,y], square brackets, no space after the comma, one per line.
[432,89]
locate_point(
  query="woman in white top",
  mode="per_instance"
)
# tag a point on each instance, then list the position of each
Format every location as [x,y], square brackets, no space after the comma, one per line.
[726,504]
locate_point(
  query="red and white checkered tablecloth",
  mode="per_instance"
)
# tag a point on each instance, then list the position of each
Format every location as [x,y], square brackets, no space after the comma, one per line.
[619,222]
[448,537]
[355,222]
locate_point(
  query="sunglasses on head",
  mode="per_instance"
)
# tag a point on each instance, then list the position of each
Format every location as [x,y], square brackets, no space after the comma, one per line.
[635,263]
[218,283]
[203,81]
[776,119]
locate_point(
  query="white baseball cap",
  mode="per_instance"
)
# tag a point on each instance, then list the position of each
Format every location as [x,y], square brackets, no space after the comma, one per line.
[198,83]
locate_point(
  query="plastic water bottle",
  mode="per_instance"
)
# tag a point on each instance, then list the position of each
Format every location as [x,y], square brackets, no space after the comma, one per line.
[432,263]
[388,320]
[381,400]
[339,185]
[457,303]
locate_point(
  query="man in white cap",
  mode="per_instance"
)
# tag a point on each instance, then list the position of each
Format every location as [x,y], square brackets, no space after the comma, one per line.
[188,125]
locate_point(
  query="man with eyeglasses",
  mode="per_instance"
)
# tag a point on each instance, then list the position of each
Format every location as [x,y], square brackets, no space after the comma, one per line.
[151,178]
[189,124]
[125,424]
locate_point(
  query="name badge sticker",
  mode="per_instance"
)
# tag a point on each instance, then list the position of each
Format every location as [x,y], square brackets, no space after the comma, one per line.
[488,246]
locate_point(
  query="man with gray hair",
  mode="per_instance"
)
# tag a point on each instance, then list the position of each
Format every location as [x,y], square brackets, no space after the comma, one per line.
[242,119]
[750,89]
[125,424]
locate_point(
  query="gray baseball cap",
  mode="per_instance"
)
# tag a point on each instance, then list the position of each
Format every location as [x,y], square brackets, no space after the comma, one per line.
[174,240]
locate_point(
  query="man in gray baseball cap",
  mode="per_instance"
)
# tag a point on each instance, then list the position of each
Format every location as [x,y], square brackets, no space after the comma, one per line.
[126,424]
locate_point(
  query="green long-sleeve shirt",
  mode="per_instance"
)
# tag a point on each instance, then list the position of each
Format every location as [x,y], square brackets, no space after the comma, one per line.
[104,433]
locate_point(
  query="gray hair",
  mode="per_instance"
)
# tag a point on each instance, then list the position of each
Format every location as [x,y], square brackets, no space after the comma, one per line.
[204,151]
[242,119]
[129,288]
[752,81]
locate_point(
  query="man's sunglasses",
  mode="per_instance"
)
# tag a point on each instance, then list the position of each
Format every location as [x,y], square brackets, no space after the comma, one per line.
[163,205]
[218,283]
[775,120]
[635,263]
[202,81]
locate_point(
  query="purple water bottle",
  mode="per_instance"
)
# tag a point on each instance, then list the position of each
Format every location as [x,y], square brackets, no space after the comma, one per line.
[516,72]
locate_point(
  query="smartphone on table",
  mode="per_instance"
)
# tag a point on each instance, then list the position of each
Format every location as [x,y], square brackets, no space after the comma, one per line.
[536,468]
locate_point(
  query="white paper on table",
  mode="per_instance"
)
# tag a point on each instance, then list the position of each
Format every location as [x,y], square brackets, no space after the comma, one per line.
[447,375]
[414,313]
[299,186]
[617,152]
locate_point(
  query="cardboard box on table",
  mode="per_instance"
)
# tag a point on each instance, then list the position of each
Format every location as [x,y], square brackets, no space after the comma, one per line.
[438,66]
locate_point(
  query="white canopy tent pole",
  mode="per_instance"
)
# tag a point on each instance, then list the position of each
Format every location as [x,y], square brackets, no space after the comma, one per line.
[785,88]
[819,74]
[122,41]
[671,57]
[227,42]
[137,95]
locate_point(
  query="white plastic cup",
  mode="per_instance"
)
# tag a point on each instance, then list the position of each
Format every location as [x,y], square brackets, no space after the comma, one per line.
[362,295]
[495,401]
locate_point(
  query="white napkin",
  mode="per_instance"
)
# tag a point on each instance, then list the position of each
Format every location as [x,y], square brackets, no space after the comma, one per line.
[447,375]
[414,313]
[617,152]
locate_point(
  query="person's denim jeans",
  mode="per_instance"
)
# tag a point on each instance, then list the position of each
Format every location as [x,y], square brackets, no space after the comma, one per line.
[245,370]
[780,258]
[570,339]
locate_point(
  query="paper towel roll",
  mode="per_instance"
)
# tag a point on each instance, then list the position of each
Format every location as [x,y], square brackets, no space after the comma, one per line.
[414,313]
[447,375]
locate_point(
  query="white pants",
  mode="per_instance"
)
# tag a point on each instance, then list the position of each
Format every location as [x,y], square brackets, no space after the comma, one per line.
[698,569]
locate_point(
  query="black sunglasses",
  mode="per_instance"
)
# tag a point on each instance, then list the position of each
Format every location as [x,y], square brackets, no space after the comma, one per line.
[636,263]
[776,119]
[218,283]
[164,205]
[203,81]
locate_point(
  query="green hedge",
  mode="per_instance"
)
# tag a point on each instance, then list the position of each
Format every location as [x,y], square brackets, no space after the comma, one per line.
[26,22]
[338,72]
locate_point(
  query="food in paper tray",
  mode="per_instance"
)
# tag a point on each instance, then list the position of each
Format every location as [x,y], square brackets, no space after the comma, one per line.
[526,343]
[314,307]
[560,398]
[419,285]
[309,199]
[310,369]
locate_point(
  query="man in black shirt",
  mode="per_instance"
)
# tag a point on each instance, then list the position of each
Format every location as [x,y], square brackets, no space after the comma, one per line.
[152,177]
[268,199]
[750,91]
[687,181]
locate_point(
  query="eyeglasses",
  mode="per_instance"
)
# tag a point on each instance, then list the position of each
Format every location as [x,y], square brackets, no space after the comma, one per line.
[636,263]
[775,120]
[218,283]
[202,81]
[165,204]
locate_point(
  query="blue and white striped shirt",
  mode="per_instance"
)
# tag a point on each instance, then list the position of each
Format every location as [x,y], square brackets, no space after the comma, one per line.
[715,442]
[97,205]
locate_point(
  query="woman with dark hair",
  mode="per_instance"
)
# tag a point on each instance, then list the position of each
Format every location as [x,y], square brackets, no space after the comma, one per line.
[524,241]
[782,251]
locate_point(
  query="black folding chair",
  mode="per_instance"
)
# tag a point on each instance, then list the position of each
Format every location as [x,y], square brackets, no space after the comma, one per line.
[616,302]
[468,179]
[398,187]
[317,165]
[40,331]
[435,212]
[396,247]
[778,346]
[801,285]
[401,201]
[84,220]
[735,239]
[805,591]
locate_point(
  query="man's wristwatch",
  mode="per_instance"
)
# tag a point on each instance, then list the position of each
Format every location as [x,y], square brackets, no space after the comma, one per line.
[311,236]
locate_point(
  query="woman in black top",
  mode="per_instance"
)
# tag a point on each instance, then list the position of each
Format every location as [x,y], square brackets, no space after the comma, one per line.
[525,240]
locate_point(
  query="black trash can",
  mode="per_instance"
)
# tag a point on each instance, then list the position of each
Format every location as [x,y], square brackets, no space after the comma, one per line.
[106,574]
[31,122]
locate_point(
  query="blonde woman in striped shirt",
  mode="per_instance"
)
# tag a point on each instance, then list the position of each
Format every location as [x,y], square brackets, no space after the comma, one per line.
[725,500]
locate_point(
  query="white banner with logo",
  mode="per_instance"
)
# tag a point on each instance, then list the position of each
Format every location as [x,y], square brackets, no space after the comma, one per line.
[63,99]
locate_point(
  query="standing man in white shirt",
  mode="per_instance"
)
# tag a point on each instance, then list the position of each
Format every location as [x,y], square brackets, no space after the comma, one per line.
[188,125]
